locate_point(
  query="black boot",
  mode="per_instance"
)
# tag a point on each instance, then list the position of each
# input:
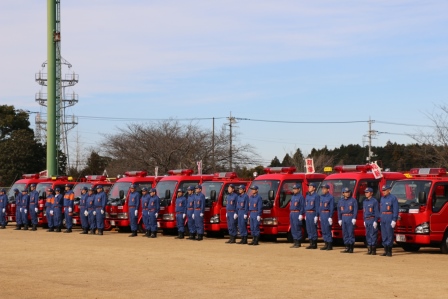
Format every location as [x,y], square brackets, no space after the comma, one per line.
[373,250]
[147,233]
[351,247]
[232,240]
[229,240]
[296,244]
[244,240]
[241,241]
[346,248]
[18,227]
[325,246]
[256,240]
[153,235]
[50,229]
[92,231]
[58,230]
[180,236]
[252,242]
[200,237]
[311,245]
[330,246]
[84,231]
[369,250]
[100,231]
[34,227]
[389,251]
[134,234]
[192,236]
[386,251]
[26,227]
[3,227]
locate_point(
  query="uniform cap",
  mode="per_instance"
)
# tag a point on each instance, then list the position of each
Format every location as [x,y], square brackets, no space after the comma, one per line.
[368,190]
[3,190]
[90,189]
[85,188]
[296,186]
[191,188]
[68,185]
[346,189]
[325,186]
[313,185]
[180,190]
[57,189]
[153,190]
[33,185]
[198,187]
[144,189]
[232,186]
[16,190]
[385,187]
[242,187]
[50,190]
[254,187]
[99,187]
[132,186]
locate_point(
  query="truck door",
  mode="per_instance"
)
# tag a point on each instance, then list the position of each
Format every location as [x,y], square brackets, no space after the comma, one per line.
[438,203]
[283,204]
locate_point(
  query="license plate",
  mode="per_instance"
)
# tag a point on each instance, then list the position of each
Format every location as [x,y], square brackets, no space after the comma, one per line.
[400,238]
[112,222]
[207,209]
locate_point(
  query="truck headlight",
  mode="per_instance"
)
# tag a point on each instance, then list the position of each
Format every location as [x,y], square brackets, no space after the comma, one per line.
[122,215]
[214,219]
[169,217]
[270,221]
[107,215]
[422,228]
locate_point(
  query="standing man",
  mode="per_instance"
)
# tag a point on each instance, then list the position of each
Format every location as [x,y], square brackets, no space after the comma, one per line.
[371,217]
[49,213]
[34,206]
[25,204]
[57,209]
[134,205]
[198,216]
[100,206]
[255,209]
[243,210]
[311,210]
[347,212]
[231,213]
[296,215]
[181,210]
[389,216]
[17,197]
[3,205]
[69,198]
[190,213]
[145,210]
[83,212]
[326,208]
[91,210]
[154,207]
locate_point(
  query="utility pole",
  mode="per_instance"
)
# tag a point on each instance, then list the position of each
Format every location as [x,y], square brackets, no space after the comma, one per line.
[232,121]
[370,135]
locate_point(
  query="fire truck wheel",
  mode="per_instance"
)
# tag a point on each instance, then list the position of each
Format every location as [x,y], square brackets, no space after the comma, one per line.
[124,229]
[289,237]
[444,245]
[219,235]
[169,232]
[268,238]
[409,247]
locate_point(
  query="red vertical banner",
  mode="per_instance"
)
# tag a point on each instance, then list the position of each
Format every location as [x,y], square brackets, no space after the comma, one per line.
[376,170]
[309,164]
[199,163]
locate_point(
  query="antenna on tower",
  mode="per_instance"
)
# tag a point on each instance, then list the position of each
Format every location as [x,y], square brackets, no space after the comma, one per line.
[370,135]
[232,120]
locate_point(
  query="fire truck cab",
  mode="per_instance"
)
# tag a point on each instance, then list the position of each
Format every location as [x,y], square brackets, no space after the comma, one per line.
[423,209]
[90,181]
[215,192]
[117,205]
[357,178]
[166,190]
[275,188]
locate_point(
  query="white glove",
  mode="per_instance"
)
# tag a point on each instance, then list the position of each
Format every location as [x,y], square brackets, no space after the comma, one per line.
[354,221]
[86,213]
[94,213]
[156,214]
[245,216]
[258,218]
[235,216]
[393,223]
[183,216]
[102,211]
[330,221]
[136,213]
[70,210]
[192,216]
[315,219]
[201,214]
[340,222]
[51,212]
[3,210]
[36,209]
[300,217]
[25,211]
[375,225]
[20,209]
[364,224]
[226,215]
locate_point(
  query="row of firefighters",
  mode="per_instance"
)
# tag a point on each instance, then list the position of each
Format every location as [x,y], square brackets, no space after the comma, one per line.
[240,208]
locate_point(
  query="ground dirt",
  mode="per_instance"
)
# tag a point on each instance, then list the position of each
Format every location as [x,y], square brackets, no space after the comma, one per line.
[57,265]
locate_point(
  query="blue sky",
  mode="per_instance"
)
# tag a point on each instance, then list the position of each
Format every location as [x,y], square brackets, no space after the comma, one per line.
[310,61]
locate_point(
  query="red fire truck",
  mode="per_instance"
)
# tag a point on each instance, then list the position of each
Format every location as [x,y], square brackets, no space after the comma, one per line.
[357,178]
[90,181]
[166,190]
[275,188]
[215,192]
[23,183]
[117,205]
[423,209]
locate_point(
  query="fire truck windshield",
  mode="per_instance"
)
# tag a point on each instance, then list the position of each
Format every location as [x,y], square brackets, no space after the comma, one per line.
[264,186]
[166,185]
[207,187]
[121,186]
[407,191]
[11,191]
[336,187]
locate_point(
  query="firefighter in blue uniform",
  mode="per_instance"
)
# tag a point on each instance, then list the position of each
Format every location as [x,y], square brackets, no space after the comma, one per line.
[311,214]
[25,204]
[296,215]
[347,212]
[69,200]
[100,206]
[17,196]
[371,217]
[91,210]
[3,205]
[83,213]
[326,209]
[134,205]
[231,213]
[255,210]
[181,210]
[49,213]
[145,210]
[243,210]
[34,206]
[389,216]
[198,216]
[154,207]
[57,210]
[190,213]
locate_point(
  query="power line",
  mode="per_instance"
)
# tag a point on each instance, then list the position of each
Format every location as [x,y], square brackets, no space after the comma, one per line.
[302,122]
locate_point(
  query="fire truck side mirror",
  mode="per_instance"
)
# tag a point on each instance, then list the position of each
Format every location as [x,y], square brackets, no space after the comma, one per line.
[121,194]
[422,197]
[271,195]
[213,195]
[167,194]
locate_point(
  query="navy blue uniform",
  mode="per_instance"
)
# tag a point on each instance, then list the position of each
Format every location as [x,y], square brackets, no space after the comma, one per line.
[311,210]
[34,204]
[17,198]
[326,208]
[371,215]
[347,211]
[255,209]
[3,205]
[296,208]
[231,210]
[199,207]
[134,205]
[91,208]
[388,213]
[243,210]
[49,202]
[69,198]
[82,210]
[57,210]
[145,210]
[100,206]
[154,207]
[181,210]
[24,205]
[190,212]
